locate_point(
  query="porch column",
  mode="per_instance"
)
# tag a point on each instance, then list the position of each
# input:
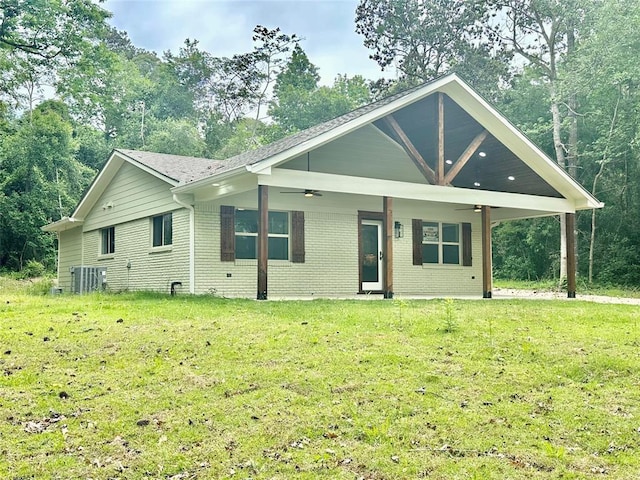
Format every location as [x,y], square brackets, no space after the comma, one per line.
[387,203]
[263,240]
[487,274]
[571,254]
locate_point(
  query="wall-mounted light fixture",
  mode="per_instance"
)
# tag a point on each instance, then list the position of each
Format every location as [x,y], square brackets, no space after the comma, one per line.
[398,230]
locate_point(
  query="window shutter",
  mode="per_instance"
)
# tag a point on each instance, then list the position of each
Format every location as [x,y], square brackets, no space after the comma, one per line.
[227,233]
[466,244]
[297,237]
[416,225]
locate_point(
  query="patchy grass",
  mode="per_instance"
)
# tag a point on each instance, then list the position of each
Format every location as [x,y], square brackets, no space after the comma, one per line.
[149,386]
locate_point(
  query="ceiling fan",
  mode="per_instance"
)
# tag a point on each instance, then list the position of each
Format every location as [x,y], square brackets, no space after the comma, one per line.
[308,192]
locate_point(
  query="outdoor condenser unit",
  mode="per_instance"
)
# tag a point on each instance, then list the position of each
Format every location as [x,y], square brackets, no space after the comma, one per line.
[86,279]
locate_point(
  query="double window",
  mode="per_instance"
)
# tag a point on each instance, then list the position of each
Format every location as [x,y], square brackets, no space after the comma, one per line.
[107,240]
[162,230]
[246,235]
[441,243]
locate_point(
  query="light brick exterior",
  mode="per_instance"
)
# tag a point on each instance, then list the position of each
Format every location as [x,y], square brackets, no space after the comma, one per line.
[331,263]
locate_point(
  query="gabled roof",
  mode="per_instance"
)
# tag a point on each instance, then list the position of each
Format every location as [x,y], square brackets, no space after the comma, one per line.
[499,128]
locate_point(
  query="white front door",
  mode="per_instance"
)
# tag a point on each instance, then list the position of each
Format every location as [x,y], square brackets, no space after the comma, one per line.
[371,255]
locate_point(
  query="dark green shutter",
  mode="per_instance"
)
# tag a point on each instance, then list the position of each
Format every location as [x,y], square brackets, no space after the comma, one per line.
[227,233]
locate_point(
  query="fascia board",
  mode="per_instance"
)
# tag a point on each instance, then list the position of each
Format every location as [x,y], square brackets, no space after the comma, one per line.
[65,223]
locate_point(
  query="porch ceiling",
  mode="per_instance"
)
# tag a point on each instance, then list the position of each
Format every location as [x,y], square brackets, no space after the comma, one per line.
[491,167]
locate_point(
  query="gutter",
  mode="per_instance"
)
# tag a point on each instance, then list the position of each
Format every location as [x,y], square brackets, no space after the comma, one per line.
[192,241]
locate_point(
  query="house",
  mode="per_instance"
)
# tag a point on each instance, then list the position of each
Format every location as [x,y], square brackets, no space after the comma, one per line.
[397,197]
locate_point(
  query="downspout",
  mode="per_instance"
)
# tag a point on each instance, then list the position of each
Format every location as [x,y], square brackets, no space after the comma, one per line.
[192,241]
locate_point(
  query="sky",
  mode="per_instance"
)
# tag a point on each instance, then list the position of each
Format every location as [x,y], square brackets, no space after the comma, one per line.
[224,28]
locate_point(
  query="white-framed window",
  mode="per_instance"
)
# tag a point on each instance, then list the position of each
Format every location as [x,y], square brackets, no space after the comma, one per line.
[107,240]
[162,230]
[246,233]
[441,243]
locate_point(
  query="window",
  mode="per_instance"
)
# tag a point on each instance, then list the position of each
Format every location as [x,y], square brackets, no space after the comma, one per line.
[108,241]
[162,230]
[246,235]
[441,243]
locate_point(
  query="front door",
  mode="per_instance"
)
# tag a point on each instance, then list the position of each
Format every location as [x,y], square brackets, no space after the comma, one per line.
[371,255]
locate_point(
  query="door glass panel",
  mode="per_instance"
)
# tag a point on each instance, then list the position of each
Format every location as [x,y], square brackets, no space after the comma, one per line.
[370,251]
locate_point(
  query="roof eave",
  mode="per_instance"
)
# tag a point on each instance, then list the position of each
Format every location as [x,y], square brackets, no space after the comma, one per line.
[203,182]
[65,223]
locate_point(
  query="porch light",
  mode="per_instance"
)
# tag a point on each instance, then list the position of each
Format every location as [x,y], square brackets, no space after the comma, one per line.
[448,161]
[511,178]
[215,184]
[477,208]
[482,154]
[476,184]
[398,230]
[308,193]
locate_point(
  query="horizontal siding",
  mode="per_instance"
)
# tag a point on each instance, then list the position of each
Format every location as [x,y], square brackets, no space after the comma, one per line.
[331,266]
[69,255]
[132,194]
[151,268]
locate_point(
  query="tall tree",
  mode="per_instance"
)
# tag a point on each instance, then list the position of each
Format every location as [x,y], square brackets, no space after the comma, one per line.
[423,39]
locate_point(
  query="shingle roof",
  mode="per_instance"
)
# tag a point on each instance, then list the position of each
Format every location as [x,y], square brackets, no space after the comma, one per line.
[175,167]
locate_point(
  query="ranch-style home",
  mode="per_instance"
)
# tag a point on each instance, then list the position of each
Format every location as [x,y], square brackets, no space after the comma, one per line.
[395,198]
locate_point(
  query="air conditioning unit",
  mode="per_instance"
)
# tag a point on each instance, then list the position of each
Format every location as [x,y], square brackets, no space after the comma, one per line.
[85,279]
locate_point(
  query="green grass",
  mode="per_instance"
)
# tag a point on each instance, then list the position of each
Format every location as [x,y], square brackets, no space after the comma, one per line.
[583,288]
[150,386]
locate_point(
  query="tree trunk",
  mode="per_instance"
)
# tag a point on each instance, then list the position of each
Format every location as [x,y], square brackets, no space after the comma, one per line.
[560,158]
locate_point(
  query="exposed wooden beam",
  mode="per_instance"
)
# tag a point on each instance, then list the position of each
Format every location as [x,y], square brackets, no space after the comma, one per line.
[387,203]
[571,254]
[466,155]
[440,170]
[411,150]
[263,240]
[487,274]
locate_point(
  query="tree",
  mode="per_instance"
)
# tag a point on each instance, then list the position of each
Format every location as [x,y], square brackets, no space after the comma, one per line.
[40,181]
[50,28]
[300,103]
[425,39]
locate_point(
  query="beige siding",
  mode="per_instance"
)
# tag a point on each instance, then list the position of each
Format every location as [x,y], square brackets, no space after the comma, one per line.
[132,194]
[151,268]
[331,242]
[69,255]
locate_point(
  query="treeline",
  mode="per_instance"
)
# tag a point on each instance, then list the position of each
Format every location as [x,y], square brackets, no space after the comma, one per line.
[564,72]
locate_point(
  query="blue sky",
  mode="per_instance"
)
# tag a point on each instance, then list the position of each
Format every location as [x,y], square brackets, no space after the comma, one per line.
[224,27]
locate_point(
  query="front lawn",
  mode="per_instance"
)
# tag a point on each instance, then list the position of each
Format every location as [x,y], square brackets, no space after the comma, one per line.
[149,386]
